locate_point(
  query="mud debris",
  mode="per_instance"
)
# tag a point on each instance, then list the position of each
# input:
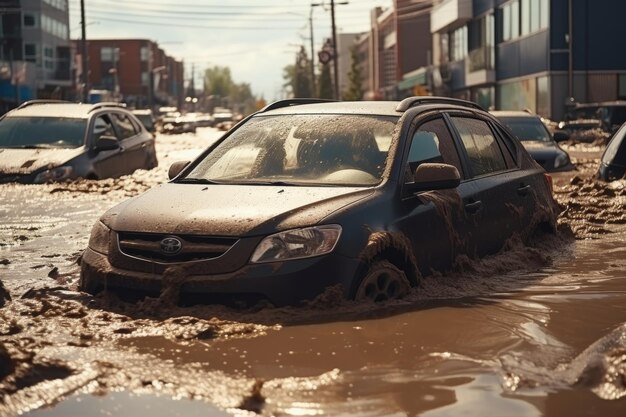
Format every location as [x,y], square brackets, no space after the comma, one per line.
[5,262]
[255,401]
[4,295]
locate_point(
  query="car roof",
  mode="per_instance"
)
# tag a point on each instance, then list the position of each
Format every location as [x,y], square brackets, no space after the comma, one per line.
[67,110]
[297,106]
[384,108]
[514,113]
[619,103]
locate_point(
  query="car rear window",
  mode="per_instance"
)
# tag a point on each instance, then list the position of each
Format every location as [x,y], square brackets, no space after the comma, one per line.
[42,132]
[302,149]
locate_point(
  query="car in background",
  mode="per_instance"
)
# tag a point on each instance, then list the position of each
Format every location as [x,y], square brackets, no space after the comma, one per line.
[308,194]
[222,114]
[607,116]
[176,124]
[43,141]
[147,119]
[613,161]
[536,138]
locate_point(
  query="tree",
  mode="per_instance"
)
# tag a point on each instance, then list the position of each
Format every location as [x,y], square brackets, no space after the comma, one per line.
[355,78]
[218,81]
[297,77]
[325,83]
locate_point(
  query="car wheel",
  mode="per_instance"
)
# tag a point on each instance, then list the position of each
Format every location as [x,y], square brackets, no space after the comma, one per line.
[383,281]
[88,285]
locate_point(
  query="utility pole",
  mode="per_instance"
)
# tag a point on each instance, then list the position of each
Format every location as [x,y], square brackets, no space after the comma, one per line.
[314,93]
[83,45]
[335,51]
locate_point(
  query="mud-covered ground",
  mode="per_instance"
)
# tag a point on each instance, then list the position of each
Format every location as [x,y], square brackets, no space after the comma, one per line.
[532,331]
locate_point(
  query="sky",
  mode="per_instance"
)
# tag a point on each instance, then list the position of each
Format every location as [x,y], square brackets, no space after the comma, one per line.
[256,39]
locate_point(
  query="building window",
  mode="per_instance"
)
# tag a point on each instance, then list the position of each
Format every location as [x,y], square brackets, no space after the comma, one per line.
[145,79]
[144,53]
[510,20]
[106,54]
[31,52]
[458,44]
[535,15]
[30,21]
[622,86]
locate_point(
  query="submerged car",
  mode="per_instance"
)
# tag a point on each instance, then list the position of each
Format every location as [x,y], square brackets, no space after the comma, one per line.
[309,194]
[613,161]
[43,141]
[537,140]
[607,116]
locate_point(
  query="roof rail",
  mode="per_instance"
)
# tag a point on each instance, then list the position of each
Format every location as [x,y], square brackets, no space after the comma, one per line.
[407,103]
[40,101]
[106,104]
[294,102]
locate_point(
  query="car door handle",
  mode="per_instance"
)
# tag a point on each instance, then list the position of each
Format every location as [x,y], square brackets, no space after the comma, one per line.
[523,190]
[474,207]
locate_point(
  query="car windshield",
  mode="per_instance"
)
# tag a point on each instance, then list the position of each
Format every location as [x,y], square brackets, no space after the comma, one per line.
[527,128]
[42,132]
[301,150]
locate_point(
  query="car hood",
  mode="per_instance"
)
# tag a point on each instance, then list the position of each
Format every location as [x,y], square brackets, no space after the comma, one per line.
[228,210]
[26,161]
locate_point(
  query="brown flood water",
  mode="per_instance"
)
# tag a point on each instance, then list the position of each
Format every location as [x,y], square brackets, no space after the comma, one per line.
[531,332]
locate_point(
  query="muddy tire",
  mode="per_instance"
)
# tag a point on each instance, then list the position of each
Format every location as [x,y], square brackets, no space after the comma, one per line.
[87,285]
[383,281]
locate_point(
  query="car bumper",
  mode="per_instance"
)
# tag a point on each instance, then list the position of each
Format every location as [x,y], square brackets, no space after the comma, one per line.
[282,283]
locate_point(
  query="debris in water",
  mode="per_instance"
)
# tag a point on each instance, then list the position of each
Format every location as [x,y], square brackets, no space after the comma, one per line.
[255,400]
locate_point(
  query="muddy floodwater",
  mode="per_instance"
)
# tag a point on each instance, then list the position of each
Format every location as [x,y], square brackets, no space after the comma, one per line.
[532,331]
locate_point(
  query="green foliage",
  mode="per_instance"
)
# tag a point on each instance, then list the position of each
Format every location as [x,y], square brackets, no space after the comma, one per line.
[298,76]
[218,82]
[355,78]
[325,84]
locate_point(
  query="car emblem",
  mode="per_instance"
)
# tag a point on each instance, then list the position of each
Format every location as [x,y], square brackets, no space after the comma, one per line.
[171,245]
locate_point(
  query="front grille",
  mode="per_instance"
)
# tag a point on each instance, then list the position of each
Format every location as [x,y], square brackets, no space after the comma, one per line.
[147,246]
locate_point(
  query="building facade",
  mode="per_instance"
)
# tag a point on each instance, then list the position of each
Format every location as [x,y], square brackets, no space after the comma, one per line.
[136,71]
[35,49]
[523,54]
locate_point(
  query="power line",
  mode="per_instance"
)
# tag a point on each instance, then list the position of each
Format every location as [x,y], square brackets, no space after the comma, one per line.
[165,24]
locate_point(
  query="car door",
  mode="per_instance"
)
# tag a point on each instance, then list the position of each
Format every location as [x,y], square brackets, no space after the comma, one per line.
[434,220]
[132,142]
[105,162]
[502,200]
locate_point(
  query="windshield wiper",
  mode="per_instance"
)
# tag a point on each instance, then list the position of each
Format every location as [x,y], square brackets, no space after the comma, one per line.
[284,183]
[37,146]
[196,181]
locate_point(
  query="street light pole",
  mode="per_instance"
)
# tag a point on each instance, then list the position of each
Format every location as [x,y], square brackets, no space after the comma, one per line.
[84,75]
[336,52]
[313,84]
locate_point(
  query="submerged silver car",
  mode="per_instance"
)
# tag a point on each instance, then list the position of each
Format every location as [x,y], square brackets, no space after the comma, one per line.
[43,141]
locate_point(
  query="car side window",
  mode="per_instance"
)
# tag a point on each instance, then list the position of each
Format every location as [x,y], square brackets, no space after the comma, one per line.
[103,127]
[125,126]
[431,142]
[509,149]
[483,151]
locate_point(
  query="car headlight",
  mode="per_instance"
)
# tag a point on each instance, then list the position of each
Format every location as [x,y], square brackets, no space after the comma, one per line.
[54,174]
[561,160]
[297,244]
[100,238]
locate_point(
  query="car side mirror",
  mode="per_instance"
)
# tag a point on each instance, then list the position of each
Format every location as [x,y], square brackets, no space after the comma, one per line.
[176,168]
[107,143]
[560,136]
[434,176]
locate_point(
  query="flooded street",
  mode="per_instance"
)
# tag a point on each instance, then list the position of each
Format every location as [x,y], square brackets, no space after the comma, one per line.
[533,331]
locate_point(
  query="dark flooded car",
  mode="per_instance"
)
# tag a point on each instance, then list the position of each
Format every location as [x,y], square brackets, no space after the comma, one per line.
[613,161]
[43,141]
[537,140]
[305,195]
